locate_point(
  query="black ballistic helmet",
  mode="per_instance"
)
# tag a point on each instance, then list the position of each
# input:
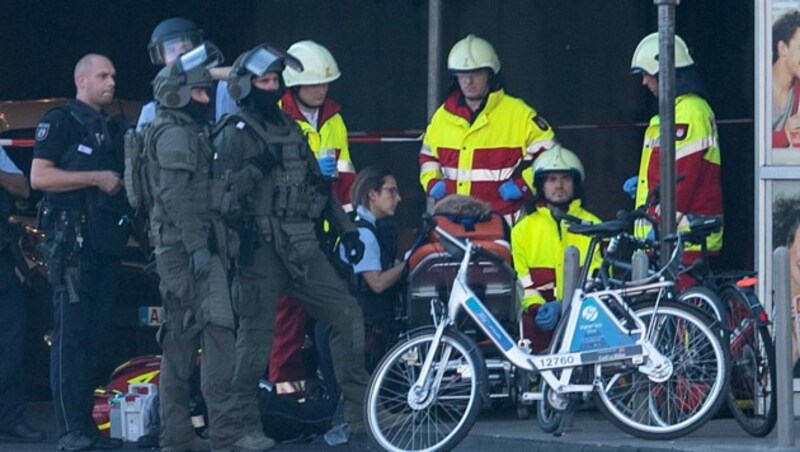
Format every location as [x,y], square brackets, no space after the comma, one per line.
[171,38]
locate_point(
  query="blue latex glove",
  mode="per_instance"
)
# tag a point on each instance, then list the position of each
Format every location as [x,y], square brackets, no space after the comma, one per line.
[327,165]
[548,314]
[509,191]
[438,190]
[629,186]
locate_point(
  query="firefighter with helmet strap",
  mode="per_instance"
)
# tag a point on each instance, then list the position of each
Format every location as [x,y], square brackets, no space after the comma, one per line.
[539,239]
[480,140]
[189,237]
[284,196]
[698,158]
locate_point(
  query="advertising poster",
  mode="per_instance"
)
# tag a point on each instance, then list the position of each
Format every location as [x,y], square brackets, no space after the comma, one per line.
[785,223]
[784,107]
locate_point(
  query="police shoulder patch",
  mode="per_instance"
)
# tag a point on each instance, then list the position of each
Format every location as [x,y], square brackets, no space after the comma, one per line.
[541,123]
[42,130]
[681,131]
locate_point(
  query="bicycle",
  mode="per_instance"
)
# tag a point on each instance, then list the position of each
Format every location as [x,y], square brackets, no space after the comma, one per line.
[729,297]
[658,370]
[751,398]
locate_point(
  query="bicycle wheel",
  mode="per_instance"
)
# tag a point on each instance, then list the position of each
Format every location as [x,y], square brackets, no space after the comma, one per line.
[751,397]
[688,398]
[443,416]
[548,416]
[707,301]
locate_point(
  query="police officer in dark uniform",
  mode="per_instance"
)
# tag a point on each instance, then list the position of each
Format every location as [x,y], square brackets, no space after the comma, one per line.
[264,153]
[77,161]
[13,427]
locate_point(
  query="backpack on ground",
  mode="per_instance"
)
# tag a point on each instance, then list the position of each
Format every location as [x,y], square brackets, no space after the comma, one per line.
[287,419]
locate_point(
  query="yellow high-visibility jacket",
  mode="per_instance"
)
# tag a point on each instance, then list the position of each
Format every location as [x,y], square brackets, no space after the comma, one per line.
[332,133]
[697,162]
[474,155]
[538,242]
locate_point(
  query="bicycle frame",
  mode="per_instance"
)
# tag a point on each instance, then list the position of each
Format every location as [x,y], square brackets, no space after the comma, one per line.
[593,334]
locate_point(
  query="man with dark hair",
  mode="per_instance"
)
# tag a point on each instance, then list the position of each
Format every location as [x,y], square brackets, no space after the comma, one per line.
[785,224]
[539,239]
[785,75]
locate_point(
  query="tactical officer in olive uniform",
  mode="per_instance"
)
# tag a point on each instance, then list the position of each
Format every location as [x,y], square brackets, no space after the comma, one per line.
[276,174]
[13,427]
[77,161]
[194,285]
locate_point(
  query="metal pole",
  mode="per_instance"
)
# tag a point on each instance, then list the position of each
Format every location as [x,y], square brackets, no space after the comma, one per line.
[666,114]
[434,53]
[434,66]
[572,267]
[783,346]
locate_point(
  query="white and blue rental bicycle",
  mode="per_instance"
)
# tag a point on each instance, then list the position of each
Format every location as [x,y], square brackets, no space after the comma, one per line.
[656,367]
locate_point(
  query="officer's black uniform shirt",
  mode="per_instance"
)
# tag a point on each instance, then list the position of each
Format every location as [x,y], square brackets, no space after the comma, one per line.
[78,138]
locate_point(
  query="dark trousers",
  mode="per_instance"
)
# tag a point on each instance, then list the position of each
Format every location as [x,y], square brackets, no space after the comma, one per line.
[324,296]
[78,356]
[12,342]
[198,315]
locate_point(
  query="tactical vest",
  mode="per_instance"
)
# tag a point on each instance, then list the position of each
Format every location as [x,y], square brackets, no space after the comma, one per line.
[105,227]
[289,192]
[163,230]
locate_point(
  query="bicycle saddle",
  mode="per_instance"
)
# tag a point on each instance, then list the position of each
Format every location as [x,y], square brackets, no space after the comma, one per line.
[605,229]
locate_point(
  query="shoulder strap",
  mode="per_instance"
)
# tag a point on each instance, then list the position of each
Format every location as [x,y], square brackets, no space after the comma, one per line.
[252,122]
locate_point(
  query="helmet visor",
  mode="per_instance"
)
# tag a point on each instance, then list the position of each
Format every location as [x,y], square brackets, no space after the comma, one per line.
[170,48]
[206,55]
[268,58]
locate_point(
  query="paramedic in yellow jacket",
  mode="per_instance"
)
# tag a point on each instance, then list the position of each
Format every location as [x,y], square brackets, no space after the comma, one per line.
[697,153]
[308,103]
[479,136]
[539,239]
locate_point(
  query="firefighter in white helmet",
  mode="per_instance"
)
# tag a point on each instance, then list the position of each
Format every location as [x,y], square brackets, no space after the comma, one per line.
[697,152]
[307,101]
[480,138]
[539,239]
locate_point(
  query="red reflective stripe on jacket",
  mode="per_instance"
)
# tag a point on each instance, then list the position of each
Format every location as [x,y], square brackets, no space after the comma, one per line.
[332,133]
[543,276]
[497,139]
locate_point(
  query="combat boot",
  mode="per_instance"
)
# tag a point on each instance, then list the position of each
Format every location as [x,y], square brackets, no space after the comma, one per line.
[253,442]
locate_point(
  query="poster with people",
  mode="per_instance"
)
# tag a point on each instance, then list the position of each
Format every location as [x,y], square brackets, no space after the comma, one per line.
[785,73]
[785,223]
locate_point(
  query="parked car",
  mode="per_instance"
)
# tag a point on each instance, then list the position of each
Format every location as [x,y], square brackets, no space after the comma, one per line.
[137,311]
